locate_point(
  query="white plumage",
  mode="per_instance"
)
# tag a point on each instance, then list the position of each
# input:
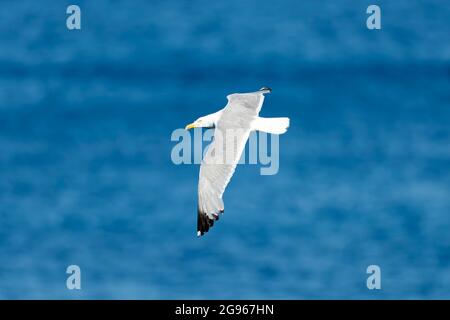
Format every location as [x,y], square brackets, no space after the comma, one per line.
[233,125]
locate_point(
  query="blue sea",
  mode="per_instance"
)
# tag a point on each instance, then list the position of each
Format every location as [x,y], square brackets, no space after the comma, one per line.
[86,176]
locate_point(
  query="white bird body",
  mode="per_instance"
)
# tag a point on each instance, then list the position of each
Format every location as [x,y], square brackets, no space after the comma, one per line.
[233,125]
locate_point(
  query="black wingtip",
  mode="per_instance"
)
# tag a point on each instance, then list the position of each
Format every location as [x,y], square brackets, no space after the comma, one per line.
[266,89]
[204,223]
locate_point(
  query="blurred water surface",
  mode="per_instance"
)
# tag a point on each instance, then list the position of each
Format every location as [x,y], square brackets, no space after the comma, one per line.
[86,176]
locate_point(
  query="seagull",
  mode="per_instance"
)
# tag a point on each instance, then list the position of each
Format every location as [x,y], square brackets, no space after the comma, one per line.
[239,117]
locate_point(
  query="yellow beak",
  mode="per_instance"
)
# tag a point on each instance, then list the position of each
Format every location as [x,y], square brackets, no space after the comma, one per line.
[190,126]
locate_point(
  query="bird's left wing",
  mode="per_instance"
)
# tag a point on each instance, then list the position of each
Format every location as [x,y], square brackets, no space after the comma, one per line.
[223,154]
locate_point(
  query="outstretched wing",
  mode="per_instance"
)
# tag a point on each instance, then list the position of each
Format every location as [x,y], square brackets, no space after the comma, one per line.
[223,154]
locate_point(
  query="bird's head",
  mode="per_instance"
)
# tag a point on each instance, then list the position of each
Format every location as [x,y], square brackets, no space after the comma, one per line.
[203,122]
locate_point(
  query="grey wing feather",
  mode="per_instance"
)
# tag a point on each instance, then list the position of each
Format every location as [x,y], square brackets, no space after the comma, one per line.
[223,154]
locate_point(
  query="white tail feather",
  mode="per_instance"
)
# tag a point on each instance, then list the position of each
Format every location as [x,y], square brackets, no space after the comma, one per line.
[271,125]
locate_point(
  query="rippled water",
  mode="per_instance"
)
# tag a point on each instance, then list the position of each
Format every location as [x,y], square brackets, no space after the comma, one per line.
[86,176]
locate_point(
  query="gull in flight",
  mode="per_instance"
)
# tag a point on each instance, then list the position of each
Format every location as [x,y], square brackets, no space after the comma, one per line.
[233,125]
